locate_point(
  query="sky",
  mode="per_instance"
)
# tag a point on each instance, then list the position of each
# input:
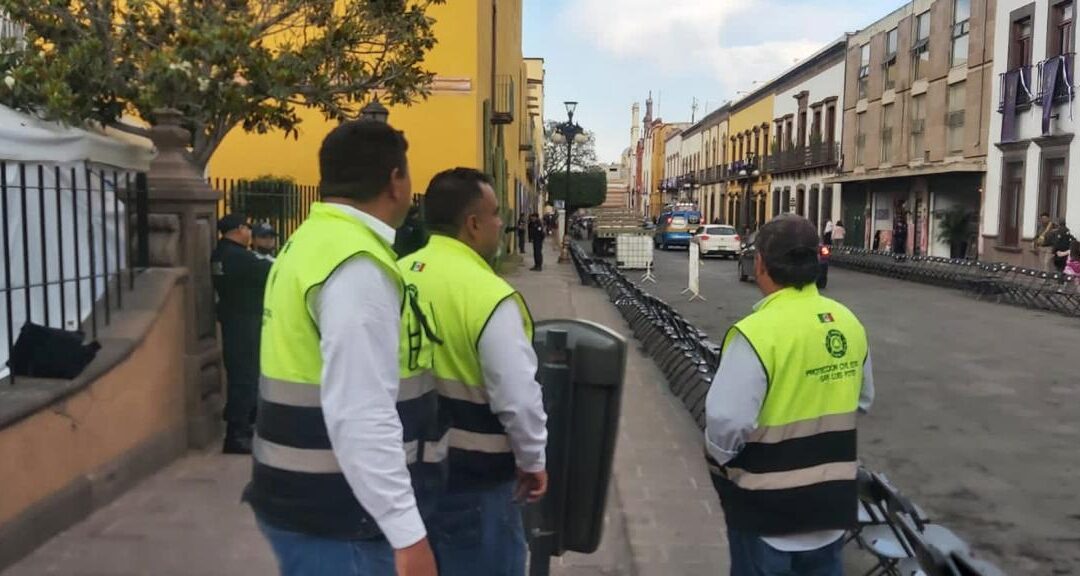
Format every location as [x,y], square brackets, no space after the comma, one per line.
[608,54]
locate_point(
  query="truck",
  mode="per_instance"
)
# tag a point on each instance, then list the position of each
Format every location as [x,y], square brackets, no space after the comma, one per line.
[609,224]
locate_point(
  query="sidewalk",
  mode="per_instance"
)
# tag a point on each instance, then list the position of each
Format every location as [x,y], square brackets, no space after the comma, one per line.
[663,515]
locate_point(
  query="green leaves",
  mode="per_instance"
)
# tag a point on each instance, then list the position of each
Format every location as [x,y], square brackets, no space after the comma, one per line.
[221,63]
[587,189]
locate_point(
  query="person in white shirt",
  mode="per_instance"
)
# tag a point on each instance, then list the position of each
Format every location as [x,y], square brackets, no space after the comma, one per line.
[485,370]
[331,485]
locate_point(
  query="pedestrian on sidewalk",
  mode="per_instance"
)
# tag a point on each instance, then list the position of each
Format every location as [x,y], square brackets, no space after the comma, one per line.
[485,370]
[827,236]
[536,236]
[1063,240]
[331,485]
[1044,242]
[522,231]
[838,233]
[264,241]
[239,279]
[780,415]
[1072,265]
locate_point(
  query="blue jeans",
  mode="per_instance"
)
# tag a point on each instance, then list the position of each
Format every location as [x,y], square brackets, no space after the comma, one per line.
[479,533]
[751,556]
[302,555]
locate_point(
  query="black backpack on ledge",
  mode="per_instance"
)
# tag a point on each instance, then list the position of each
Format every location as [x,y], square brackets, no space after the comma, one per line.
[43,352]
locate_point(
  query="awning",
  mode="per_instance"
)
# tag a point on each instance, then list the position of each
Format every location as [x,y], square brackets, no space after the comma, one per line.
[24,138]
[909,171]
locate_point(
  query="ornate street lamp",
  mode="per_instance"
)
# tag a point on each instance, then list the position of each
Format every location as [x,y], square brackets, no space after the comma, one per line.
[375,111]
[569,133]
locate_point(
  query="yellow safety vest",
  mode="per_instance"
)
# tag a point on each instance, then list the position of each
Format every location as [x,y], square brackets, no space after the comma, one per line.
[459,292]
[797,471]
[297,483]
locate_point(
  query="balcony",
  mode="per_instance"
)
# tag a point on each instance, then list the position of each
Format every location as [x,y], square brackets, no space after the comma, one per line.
[1018,79]
[819,155]
[505,99]
[749,165]
[1062,83]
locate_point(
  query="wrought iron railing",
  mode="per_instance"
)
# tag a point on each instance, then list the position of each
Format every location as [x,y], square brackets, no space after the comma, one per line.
[73,239]
[816,155]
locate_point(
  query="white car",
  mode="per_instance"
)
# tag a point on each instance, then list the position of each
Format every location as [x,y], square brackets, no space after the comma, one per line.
[717,239]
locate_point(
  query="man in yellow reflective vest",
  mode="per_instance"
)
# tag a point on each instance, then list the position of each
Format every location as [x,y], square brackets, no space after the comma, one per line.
[345,448]
[780,415]
[485,371]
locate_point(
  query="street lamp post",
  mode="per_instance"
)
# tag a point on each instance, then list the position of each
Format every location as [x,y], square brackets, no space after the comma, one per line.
[375,111]
[753,172]
[570,133]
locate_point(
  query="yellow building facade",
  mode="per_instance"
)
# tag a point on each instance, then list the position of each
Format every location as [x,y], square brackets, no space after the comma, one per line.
[748,145]
[477,115]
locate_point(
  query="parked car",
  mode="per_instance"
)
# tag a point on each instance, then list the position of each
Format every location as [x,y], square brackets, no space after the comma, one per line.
[673,228]
[717,240]
[748,252]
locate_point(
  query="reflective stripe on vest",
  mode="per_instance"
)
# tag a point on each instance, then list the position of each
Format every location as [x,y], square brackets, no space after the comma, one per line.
[461,292]
[796,472]
[297,481]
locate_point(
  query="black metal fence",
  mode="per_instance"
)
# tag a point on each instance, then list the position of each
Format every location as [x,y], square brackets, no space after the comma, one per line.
[74,237]
[892,530]
[282,205]
[1003,283]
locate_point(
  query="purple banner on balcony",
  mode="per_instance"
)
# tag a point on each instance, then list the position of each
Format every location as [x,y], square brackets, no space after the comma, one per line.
[1049,87]
[1008,111]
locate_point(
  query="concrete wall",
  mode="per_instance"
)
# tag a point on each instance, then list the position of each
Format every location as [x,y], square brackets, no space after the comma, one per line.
[123,418]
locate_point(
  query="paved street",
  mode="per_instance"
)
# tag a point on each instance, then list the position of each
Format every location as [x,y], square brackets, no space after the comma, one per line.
[977,408]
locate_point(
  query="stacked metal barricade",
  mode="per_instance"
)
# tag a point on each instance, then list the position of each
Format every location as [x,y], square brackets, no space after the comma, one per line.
[1001,283]
[896,533]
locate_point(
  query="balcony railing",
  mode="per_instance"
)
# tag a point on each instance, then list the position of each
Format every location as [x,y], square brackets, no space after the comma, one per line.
[823,154]
[1063,84]
[505,98]
[1024,93]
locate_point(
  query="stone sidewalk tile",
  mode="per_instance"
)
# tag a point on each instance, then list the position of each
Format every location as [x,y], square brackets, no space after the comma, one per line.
[673,520]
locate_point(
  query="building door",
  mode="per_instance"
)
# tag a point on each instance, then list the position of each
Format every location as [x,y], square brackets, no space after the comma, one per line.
[853,215]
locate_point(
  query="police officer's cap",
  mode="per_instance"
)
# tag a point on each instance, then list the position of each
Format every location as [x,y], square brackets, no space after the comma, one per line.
[264,230]
[230,222]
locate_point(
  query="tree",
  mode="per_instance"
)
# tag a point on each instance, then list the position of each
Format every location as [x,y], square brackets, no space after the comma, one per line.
[220,63]
[584,155]
[587,189]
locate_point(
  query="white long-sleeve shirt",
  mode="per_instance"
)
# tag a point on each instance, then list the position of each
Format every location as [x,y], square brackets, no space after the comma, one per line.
[509,363]
[358,312]
[731,413]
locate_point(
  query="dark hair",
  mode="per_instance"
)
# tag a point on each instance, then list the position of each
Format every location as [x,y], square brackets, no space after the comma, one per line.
[1074,249]
[788,245]
[450,196]
[358,158]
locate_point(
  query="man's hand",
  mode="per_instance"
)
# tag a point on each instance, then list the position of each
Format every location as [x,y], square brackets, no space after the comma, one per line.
[531,486]
[416,560]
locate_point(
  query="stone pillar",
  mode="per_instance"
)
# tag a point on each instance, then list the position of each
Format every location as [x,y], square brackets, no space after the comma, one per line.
[183,231]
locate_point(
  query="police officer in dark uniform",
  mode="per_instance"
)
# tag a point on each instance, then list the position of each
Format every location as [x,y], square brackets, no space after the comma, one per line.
[239,280]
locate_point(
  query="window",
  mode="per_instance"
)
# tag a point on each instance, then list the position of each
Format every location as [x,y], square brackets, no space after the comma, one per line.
[802,130]
[1062,33]
[918,127]
[1012,196]
[780,136]
[864,70]
[815,127]
[860,139]
[954,119]
[830,121]
[890,59]
[886,133]
[960,29]
[921,48]
[1020,43]
[1052,195]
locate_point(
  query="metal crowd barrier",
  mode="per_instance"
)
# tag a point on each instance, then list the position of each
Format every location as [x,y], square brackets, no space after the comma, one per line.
[998,282]
[894,531]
